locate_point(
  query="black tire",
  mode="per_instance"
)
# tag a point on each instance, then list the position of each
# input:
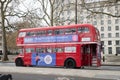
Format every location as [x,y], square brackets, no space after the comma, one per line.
[19,62]
[70,63]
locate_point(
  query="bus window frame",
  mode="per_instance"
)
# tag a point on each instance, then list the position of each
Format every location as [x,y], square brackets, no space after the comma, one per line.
[22,34]
[56,49]
[83,30]
[60,31]
[30,50]
[40,33]
[70,49]
[49,33]
[43,49]
[70,31]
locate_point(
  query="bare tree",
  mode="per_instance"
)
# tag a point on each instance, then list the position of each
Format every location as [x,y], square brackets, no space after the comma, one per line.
[4,4]
[12,35]
[8,9]
[51,11]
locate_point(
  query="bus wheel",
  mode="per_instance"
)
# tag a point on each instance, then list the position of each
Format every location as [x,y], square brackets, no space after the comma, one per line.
[70,63]
[19,62]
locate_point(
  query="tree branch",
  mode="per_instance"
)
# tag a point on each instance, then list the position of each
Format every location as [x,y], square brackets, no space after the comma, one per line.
[98,12]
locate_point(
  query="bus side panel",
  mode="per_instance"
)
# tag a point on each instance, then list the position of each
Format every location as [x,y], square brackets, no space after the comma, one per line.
[27,59]
[60,58]
[78,56]
[78,61]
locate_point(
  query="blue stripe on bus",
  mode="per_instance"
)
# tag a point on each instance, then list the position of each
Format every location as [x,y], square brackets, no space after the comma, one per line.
[43,59]
[37,39]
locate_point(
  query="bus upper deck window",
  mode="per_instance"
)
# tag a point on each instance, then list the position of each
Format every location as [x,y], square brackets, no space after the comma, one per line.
[56,32]
[83,30]
[79,30]
[49,32]
[22,34]
[73,30]
[70,31]
[30,34]
[41,33]
[86,30]
[59,31]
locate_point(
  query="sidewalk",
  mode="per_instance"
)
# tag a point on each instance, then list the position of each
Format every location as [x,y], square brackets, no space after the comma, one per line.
[106,63]
[111,63]
[11,58]
[63,72]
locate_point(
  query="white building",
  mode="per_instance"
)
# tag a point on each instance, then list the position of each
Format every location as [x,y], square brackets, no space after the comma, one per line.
[108,26]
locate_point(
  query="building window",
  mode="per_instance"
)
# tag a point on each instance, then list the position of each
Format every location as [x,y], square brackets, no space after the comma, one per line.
[102,35]
[109,35]
[116,27]
[63,18]
[116,21]
[109,42]
[109,16]
[102,22]
[102,28]
[116,7]
[109,28]
[117,34]
[116,14]
[95,22]
[117,42]
[110,50]
[101,16]
[109,21]
[117,50]
[63,13]
[102,42]
[68,12]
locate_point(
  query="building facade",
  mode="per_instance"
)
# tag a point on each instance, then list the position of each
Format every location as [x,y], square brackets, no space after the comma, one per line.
[108,26]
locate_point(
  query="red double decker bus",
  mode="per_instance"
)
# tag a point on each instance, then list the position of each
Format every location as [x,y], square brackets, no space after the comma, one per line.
[69,46]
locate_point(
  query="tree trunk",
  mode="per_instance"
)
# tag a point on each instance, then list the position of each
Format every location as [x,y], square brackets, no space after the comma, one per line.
[4,45]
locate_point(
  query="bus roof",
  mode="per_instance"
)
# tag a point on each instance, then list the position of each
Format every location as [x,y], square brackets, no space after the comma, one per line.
[56,27]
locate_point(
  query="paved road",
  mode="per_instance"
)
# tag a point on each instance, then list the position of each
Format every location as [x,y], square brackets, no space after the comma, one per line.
[18,76]
[112,68]
[104,72]
[7,64]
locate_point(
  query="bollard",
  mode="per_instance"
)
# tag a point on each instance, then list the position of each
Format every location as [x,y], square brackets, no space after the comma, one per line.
[103,58]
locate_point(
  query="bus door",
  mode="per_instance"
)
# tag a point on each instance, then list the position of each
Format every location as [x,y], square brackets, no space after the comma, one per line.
[86,55]
[91,55]
[96,54]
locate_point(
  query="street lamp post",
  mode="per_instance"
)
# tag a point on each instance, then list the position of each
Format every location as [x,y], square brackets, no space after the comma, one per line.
[75,11]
